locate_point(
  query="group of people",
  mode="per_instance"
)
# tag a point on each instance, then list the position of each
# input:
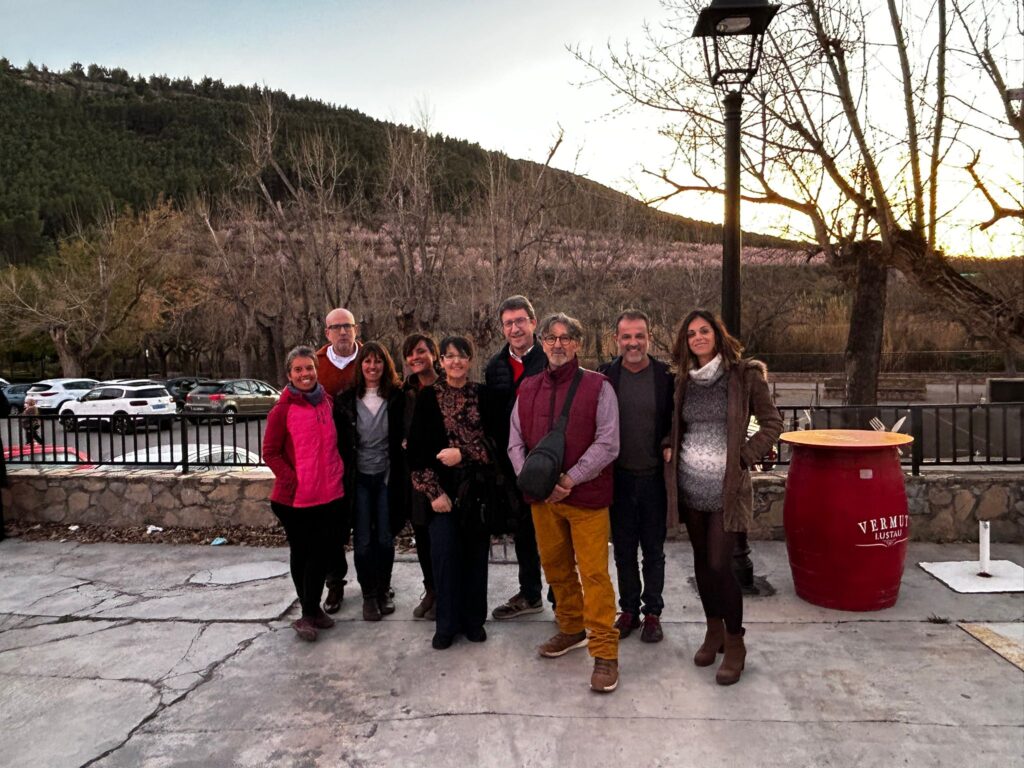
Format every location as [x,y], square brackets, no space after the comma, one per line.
[647,446]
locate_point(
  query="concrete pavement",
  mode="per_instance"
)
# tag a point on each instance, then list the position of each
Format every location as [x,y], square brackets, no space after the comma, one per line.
[155,655]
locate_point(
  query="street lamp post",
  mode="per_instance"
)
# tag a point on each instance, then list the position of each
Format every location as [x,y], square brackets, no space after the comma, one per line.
[732,32]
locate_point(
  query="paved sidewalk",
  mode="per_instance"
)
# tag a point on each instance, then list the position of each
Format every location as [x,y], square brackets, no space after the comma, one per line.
[155,655]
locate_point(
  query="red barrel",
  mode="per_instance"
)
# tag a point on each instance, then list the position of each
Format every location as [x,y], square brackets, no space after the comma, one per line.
[846,517]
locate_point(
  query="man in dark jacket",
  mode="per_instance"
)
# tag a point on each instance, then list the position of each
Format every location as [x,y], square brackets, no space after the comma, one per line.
[644,387]
[521,357]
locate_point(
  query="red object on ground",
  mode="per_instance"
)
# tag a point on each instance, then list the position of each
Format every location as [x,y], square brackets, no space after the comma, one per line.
[846,517]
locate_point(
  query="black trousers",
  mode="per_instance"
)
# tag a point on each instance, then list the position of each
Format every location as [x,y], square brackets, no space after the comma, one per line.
[528,556]
[339,535]
[459,556]
[638,522]
[713,547]
[423,554]
[309,542]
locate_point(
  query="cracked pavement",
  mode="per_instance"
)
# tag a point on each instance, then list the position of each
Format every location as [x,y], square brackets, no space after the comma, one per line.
[158,655]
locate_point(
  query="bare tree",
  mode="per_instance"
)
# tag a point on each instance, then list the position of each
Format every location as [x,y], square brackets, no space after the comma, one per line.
[280,241]
[95,285]
[869,175]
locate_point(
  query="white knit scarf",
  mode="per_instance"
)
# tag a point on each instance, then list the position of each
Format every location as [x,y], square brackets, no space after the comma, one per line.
[708,374]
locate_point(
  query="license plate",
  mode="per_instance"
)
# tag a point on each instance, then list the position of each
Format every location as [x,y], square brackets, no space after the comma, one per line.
[159,407]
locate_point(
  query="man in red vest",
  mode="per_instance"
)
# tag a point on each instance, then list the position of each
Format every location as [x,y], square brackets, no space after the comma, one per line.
[336,372]
[572,524]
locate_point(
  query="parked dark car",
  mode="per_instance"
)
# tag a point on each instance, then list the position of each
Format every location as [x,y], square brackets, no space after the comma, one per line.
[230,398]
[180,386]
[15,394]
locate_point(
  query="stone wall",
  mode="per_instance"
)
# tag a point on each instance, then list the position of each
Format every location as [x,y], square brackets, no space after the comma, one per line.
[943,506]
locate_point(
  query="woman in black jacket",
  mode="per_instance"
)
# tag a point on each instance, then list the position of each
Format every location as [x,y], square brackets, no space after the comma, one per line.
[423,361]
[370,424]
[445,442]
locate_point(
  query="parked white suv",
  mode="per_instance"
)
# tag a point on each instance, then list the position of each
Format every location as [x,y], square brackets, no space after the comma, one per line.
[124,406]
[51,394]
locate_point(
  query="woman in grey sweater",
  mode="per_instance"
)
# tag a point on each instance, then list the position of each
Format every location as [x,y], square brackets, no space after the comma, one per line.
[717,392]
[370,422]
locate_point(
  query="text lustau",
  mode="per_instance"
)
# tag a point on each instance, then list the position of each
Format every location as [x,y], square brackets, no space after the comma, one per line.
[891,528]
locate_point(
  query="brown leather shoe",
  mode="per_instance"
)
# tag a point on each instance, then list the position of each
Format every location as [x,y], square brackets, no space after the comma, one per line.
[626,623]
[606,675]
[562,643]
[371,609]
[321,621]
[426,605]
[734,661]
[652,631]
[304,628]
[714,644]
[386,602]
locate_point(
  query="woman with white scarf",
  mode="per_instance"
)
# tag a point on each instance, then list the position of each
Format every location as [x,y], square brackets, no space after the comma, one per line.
[710,453]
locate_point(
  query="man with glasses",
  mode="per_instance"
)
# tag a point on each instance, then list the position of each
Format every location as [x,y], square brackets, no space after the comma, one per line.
[334,360]
[336,373]
[520,358]
[644,386]
[572,523]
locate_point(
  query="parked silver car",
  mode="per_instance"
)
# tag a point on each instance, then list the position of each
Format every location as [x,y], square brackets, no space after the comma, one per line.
[230,398]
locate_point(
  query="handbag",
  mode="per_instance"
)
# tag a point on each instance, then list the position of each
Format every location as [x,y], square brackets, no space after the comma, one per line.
[487,497]
[543,465]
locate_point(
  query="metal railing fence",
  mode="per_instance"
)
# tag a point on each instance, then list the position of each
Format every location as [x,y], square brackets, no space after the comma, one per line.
[187,443]
[944,434]
[947,434]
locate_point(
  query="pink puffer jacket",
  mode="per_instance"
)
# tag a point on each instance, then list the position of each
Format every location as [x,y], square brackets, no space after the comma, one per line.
[301,448]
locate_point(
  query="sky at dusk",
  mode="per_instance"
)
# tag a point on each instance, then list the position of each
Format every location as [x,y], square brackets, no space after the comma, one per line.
[494,73]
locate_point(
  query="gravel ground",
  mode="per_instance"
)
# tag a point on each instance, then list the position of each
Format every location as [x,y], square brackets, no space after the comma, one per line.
[239,535]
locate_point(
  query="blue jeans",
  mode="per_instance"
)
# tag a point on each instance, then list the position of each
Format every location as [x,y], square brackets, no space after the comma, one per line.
[638,521]
[374,547]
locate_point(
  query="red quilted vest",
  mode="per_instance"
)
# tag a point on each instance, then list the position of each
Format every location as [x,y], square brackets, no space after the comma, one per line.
[536,419]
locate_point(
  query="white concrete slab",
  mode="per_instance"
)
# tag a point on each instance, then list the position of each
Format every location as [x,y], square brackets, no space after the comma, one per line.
[965,576]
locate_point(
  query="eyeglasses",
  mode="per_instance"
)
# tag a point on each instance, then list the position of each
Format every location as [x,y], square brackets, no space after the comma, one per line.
[519,322]
[551,339]
[341,327]
[454,358]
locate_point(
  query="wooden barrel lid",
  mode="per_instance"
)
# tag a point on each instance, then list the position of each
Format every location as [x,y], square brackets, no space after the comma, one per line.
[846,438]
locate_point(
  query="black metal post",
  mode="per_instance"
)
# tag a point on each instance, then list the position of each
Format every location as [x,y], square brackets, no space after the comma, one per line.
[732,242]
[731,235]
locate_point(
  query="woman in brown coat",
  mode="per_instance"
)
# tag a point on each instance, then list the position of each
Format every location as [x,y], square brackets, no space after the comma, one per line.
[717,392]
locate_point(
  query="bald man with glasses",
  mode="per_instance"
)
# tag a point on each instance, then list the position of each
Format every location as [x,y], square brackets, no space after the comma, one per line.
[334,360]
[336,372]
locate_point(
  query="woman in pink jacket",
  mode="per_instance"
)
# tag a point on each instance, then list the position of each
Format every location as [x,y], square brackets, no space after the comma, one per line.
[301,448]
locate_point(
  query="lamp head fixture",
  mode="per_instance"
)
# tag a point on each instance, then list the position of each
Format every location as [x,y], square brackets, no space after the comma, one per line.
[736,30]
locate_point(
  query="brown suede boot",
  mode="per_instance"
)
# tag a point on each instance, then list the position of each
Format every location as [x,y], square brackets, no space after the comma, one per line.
[713,644]
[735,657]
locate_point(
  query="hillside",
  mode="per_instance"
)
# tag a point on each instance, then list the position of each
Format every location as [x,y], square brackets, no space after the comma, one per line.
[75,143]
